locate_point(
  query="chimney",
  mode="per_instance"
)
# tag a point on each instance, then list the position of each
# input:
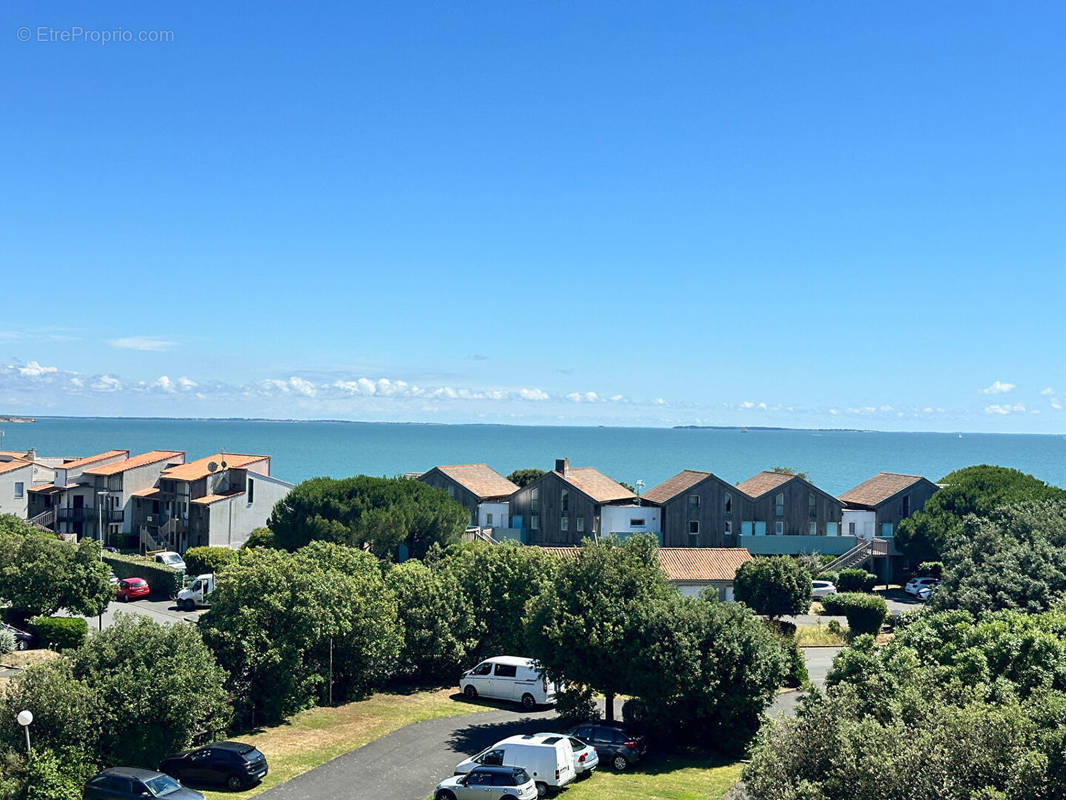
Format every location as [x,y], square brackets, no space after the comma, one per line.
[31,454]
[562,466]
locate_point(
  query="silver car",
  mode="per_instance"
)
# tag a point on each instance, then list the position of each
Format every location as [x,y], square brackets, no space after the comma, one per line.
[482,783]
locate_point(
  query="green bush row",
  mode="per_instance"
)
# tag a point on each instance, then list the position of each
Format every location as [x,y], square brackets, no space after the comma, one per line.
[855,580]
[162,580]
[199,560]
[865,612]
[60,632]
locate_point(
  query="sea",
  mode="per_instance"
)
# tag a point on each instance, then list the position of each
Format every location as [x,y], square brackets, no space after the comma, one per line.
[835,460]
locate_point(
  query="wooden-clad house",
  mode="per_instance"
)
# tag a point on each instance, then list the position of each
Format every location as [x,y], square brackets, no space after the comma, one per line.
[484,491]
[876,506]
[699,509]
[785,505]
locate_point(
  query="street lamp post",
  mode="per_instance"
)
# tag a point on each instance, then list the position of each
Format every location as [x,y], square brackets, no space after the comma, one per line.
[100,497]
[24,719]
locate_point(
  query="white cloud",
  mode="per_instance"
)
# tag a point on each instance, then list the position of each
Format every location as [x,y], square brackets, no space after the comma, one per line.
[106,383]
[301,386]
[533,394]
[186,384]
[583,397]
[164,383]
[885,409]
[34,370]
[1047,392]
[998,387]
[1055,403]
[659,401]
[145,343]
[1017,408]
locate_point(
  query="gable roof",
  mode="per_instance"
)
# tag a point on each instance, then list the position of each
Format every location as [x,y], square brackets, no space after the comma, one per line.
[765,481]
[672,487]
[686,564]
[144,459]
[480,479]
[84,462]
[595,484]
[14,464]
[879,488]
[208,499]
[194,470]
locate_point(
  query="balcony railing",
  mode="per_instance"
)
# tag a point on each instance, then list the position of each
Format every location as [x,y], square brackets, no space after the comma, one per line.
[77,515]
[115,515]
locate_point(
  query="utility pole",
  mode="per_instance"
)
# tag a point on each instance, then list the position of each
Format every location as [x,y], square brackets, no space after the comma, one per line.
[331,671]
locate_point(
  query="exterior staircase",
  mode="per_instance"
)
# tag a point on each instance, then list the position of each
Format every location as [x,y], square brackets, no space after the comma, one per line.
[858,555]
[46,520]
[479,534]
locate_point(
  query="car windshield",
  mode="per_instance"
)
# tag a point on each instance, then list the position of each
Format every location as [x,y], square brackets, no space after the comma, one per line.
[162,786]
[521,776]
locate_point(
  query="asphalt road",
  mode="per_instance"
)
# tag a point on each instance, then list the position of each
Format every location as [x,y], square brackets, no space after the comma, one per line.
[158,610]
[819,660]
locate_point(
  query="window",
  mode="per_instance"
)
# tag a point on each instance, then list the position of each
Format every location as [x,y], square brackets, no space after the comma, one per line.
[488,519]
[905,508]
[727,503]
[534,522]
[482,669]
[779,528]
[813,529]
[564,523]
[886,530]
[251,491]
[20,488]
[728,528]
[812,506]
[694,527]
[476,778]
[564,502]
[534,500]
[451,492]
[506,670]
[851,528]
[779,504]
[693,505]
[636,523]
[580,524]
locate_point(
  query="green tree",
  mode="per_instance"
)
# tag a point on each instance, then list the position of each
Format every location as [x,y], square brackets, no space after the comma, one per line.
[584,627]
[374,513]
[199,560]
[524,477]
[65,709]
[157,687]
[438,621]
[773,586]
[789,471]
[40,574]
[260,537]
[980,490]
[498,581]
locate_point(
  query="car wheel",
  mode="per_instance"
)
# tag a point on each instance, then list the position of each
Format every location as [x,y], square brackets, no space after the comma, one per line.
[619,763]
[125,598]
[20,644]
[444,794]
[234,782]
[529,702]
[470,692]
[542,789]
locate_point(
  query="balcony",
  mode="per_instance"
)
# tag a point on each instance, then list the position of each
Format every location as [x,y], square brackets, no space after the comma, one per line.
[77,515]
[793,545]
[114,515]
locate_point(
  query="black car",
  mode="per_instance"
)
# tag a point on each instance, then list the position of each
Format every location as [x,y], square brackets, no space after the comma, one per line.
[23,640]
[616,743]
[231,764]
[131,783]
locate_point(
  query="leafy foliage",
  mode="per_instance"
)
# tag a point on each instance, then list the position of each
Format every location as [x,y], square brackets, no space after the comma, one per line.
[40,574]
[774,586]
[375,513]
[865,612]
[60,632]
[855,580]
[524,477]
[199,560]
[260,537]
[789,471]
[980,490]
[164,581]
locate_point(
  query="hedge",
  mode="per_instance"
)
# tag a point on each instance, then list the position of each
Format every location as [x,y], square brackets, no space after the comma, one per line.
[833,604]
[830,576]
[199,560]
[164,581]
[855,580]
[60,632]
[865,612]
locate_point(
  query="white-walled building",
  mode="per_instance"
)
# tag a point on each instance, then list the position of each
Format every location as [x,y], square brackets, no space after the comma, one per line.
[624,521]
[16,480]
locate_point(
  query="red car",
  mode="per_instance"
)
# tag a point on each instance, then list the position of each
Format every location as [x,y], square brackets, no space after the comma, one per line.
[131,588]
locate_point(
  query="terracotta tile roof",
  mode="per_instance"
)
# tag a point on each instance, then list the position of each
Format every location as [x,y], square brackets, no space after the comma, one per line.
[672,487]
[686,564]
[699,564]
[151,491]
[194,470]
[14,464]
[84,462]
[47,488]
[481,479]
[152,457]
[596,485]
[764,482]
[879,488]
[208,499]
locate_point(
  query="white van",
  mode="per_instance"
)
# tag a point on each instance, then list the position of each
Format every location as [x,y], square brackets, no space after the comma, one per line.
[508,678]
[549,760]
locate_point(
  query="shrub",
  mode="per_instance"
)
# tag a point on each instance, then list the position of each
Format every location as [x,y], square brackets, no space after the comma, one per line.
[773,586]
[797,666]
[930,569]
[833,605]
[855,580]
[260,537]
[865,612]
[60,632]
[635,712]
[162,580]
[836,629]
[7,641]
[829,575]
[199,560]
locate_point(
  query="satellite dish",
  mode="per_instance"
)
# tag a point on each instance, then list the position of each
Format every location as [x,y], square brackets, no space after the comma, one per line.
[211,466]
[224,465]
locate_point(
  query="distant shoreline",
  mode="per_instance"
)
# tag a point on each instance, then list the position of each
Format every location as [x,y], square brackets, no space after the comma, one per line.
[17,420]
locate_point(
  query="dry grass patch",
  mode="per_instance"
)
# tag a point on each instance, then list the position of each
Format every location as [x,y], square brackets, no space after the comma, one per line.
[318,735]
[818,634]
[27,658]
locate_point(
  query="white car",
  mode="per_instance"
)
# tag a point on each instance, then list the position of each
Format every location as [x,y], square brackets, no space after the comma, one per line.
[548,759]
[483,783]
[915,585]
[927,591]
[508,678]
[586,759]
[170,559]
[822,588]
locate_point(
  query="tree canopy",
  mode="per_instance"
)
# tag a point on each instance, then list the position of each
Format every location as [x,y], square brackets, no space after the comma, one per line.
[524,477]
[774,586]
[927,534]
[374,513]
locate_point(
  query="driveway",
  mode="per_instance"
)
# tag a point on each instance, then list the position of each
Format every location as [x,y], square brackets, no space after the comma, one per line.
[819,660]
[158,610]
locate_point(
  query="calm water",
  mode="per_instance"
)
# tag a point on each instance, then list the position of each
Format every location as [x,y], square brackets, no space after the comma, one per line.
[835,460]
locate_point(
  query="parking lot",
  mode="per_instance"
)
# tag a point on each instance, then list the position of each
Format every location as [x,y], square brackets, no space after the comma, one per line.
[159,610]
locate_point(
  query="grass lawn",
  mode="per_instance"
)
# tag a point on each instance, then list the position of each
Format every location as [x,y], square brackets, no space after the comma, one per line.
[314,737]
[665,778]
[817,634]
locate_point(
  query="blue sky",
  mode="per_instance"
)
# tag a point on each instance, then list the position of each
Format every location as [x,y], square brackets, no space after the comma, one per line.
[800,214]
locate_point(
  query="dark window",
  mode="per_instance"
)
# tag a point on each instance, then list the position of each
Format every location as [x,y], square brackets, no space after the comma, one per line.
[779,504]
[503,779]
[251,491]
[564,502]
[583,733]
[618,737]
[812,506]
[506,670]
[580,524]
[534,522]
[493,758]
[693,505]
[479,779]
[906,510]
[694,527]
[520,777]
[728,503]
[483,669]
[534,500]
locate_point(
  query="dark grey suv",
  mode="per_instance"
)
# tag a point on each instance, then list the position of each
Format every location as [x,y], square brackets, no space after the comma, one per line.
[131,783]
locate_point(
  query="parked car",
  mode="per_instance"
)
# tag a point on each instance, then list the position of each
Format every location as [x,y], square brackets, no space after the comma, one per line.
[23,640]
[585,758]
[549,759]
[197,592]
[484,783]
[927,591]
[132,588]
[230,764]
[616,743]
[119,783]
[170,559]
[822,588]
[915,585]
[508,678]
